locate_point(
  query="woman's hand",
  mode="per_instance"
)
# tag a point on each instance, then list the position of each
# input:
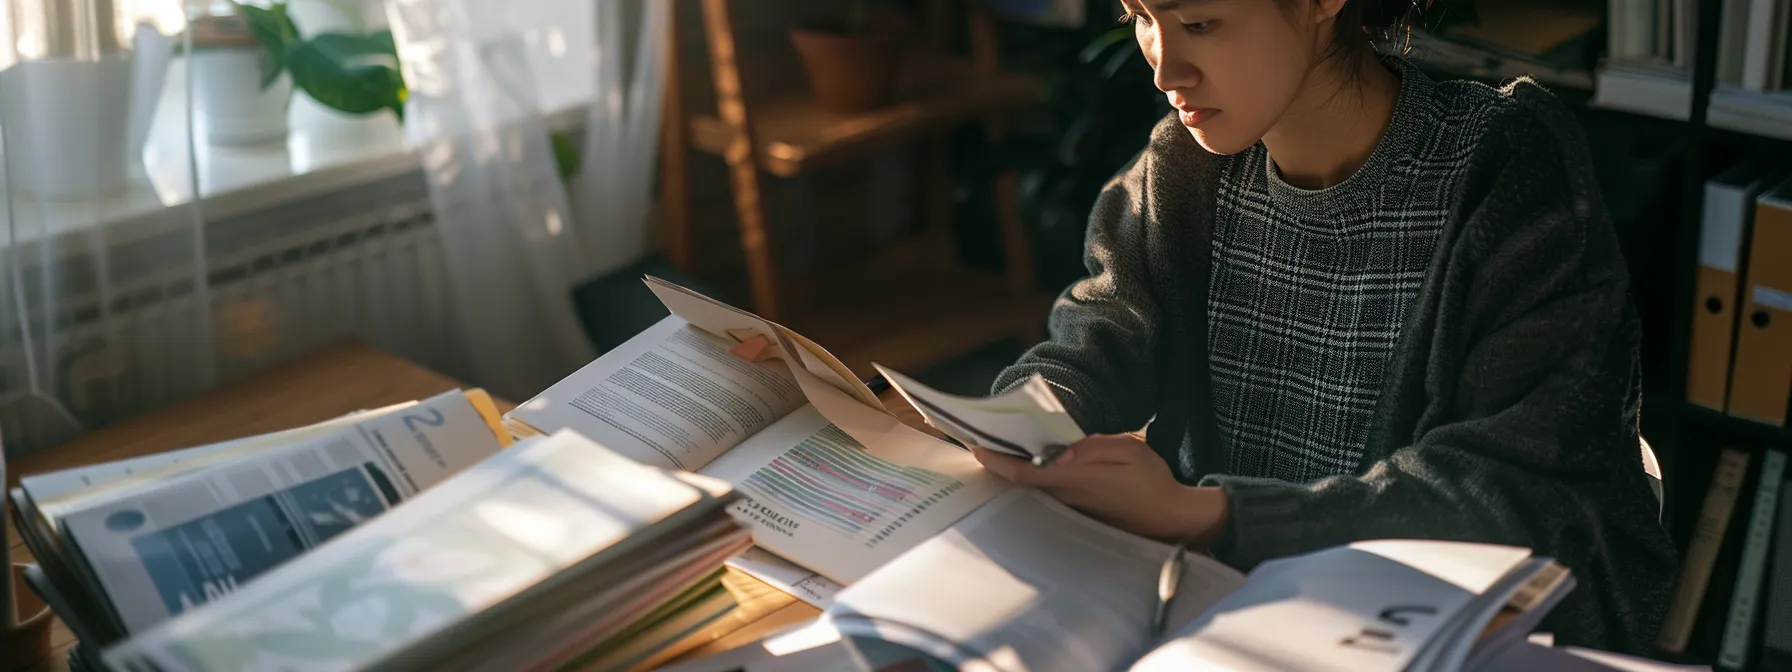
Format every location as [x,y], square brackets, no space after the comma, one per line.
[1120,480]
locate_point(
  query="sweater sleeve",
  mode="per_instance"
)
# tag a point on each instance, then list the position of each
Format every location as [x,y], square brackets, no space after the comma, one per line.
[1103,329]
[1527,427]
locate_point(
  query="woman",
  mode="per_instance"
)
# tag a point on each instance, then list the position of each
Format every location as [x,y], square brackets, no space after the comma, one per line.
[1352,302]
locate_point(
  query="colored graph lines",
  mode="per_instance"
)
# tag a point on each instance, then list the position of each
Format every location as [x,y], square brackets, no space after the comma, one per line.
[829,478]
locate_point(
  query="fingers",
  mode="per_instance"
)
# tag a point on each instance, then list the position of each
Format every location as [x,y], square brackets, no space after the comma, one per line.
[1106,449]
[1012,468]
[1021,471]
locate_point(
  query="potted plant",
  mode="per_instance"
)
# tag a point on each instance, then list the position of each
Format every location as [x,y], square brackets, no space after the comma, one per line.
[850,55]
[353,73]
[242,97]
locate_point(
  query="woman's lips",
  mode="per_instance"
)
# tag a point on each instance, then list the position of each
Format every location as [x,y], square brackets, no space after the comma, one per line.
[1196,117]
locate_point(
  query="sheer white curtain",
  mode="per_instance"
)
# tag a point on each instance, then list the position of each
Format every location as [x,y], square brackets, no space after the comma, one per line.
[107,306]
[613,194]
[78,93]
[516,243]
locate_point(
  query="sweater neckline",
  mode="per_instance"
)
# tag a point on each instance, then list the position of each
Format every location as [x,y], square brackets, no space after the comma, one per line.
[1397,142]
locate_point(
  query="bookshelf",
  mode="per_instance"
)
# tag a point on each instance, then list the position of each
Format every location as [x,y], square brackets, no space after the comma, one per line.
[1660,93]
[1752,113]
[1716,135]
[912,304]
[1699,417]
[1690,101]
[1649,65]
[1722,122]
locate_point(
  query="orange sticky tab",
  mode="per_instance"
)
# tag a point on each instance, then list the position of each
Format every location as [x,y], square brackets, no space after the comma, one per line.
[754,349]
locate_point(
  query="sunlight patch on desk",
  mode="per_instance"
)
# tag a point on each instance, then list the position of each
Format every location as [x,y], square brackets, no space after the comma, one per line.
[819,632]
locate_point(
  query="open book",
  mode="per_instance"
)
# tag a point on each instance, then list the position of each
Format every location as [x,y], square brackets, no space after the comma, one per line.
[830,479]
[1027,584]
[123,546]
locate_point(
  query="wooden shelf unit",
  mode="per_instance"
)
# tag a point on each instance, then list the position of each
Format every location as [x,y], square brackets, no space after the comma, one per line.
[909,307]
[937,94]
[1730,427]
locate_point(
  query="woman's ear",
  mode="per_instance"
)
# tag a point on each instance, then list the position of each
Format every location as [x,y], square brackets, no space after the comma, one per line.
[1326,10]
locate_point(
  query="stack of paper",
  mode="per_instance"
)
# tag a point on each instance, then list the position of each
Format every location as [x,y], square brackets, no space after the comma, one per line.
[554,552]
[123,546]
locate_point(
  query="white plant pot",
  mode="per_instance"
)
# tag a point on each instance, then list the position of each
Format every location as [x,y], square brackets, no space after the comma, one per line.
[68,126]
[232,106]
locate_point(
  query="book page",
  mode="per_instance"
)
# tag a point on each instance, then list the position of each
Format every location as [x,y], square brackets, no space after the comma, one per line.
[673,396]
[192,539]
[1027,421]
[83,613]
[816,496]
[1372,605]
[426,573]
[1027,584]
[1515,615]
[827,383]
[722,319]
[59,491]
[41,500]
[804,584]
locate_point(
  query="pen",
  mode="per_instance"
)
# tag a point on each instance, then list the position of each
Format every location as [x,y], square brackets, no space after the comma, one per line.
[1050,455]
[1169,580]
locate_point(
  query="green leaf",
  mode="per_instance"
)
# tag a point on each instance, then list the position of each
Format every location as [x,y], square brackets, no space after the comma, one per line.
[360,47]
[274,29]
[383,40]
[355,74]
[566,154]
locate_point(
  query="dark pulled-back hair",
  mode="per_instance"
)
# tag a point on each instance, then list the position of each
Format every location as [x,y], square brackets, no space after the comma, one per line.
[1364,24]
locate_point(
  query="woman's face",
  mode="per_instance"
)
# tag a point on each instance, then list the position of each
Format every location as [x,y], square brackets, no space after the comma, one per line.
[1231,68]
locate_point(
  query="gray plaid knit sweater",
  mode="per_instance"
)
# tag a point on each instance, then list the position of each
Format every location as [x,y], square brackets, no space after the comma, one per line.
[1443,346]
[1310,289]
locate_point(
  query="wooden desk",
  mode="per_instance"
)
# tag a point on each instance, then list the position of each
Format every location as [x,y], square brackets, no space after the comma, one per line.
[328,384]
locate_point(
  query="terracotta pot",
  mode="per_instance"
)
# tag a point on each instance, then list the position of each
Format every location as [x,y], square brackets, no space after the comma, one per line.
[849,73]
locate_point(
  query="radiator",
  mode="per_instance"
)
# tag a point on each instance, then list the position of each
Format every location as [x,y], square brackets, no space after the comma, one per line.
[362,264]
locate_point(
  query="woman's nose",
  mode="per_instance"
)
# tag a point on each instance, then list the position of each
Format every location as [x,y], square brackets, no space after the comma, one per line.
[1173,71]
